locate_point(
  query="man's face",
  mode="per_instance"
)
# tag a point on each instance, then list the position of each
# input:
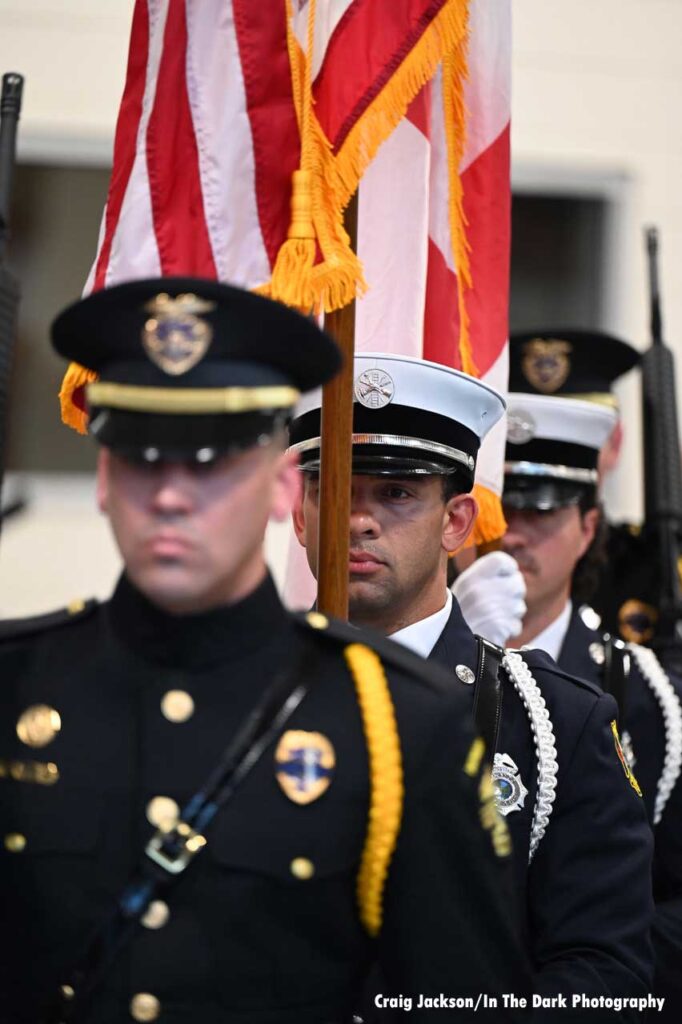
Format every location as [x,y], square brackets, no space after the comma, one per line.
[190,535]
[400,532]
[547,546]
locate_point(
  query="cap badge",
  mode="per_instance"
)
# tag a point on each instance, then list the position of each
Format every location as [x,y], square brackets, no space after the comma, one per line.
[305,765]
[546,364]
[175,338]
[374,388]
[510,792]
[623,760]
[520,427]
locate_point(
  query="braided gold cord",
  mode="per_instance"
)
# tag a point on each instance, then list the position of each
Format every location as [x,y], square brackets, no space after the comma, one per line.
[386,780]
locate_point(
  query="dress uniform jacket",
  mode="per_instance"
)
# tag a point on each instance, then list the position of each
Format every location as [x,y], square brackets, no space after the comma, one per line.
[264,925]
[586,895]
[651,725]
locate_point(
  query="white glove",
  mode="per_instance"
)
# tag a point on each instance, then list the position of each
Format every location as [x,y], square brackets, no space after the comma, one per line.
[491,594]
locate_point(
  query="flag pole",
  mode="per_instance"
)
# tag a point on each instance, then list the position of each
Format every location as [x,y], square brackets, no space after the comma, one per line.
[336,429]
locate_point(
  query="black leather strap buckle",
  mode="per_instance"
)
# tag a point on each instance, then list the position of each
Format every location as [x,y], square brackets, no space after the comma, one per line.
[173,849]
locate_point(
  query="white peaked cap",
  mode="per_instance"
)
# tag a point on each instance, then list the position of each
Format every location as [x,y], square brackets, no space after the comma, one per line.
[410,412]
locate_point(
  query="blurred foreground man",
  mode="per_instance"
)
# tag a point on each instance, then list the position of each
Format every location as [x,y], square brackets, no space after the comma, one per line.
[581,843]
[555,533]
[214,811]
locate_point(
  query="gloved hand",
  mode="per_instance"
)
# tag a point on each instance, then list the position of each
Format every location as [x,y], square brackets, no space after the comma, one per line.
[491,594]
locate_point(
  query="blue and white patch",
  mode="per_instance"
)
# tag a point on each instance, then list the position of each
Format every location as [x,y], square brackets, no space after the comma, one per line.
[305,763]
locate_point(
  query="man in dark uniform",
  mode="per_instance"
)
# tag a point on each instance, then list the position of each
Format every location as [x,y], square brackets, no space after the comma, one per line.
[214,811]
[581,841]
[550,503]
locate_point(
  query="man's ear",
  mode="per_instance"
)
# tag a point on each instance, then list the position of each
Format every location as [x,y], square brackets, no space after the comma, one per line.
[460,514]
[287,486]
[103,480]
[589,523]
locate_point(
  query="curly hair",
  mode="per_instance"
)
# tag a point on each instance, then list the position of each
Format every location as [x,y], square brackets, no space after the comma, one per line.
[588,570]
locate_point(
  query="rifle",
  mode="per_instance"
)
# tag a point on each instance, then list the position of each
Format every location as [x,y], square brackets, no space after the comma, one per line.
[662,470]
[10,105]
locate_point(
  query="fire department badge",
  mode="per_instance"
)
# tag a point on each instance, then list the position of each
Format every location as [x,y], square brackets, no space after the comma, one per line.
[546,364]
[374,389]
[174,337]
[520,426]
[510,792]
[305,765]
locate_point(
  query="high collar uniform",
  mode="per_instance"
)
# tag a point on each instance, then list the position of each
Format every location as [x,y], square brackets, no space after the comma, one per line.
[652,724]
[249,936]
[586,893]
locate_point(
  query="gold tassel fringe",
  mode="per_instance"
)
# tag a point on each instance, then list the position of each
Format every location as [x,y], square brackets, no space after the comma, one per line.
[75,377]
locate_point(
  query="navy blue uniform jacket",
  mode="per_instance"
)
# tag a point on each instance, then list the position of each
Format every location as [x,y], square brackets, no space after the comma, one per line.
[643,720]
[247,939]
[586,896]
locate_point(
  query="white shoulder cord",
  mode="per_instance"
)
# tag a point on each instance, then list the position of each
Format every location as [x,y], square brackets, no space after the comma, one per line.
[671,709]
[543,735]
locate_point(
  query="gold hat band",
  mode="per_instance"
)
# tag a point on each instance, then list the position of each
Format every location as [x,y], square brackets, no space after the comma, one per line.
[186,401]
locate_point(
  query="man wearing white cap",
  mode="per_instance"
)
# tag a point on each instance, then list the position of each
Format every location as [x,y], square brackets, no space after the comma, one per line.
[582,846]
[555,533]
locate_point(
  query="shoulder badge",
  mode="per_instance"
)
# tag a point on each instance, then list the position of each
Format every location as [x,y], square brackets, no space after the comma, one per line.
[16,629]
[545,363]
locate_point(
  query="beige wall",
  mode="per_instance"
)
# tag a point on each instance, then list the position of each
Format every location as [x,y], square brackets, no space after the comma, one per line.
[597,90]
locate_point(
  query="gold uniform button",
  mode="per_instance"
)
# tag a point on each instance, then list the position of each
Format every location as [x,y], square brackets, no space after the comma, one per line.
[302,868]
[163,812]
[177,706]
[38,725]
[156,915]
[15,842]
[317,620]
[144,1006]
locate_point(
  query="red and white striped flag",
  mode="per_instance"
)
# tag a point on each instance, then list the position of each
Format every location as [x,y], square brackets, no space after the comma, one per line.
[224,100]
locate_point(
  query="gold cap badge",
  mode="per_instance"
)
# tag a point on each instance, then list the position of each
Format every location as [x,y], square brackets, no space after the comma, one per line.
[546,364]
[38,725]
[305,765]
[175,338]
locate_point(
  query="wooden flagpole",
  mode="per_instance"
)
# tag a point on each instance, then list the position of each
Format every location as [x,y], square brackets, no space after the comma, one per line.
[336,450]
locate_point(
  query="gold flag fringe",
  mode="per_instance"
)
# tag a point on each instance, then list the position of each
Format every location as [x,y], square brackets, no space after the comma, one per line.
[76,377]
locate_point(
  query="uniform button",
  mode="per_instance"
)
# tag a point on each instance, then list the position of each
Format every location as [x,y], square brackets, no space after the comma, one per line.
[144,1006]
[302,868]
[317,620]
[163,812]
[38,725]
[465,675]
[156,915]
[15,842]
[177,706]
[597,654]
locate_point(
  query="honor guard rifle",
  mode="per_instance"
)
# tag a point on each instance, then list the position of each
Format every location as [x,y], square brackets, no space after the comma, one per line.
[662,472]
[10,105]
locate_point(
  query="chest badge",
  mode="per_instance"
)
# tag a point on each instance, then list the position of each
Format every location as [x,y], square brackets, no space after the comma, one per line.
[175,337]
[305,763]
[510,792]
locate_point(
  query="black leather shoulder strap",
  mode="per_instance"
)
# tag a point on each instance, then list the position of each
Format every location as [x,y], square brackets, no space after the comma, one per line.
[488,693]
[615,671]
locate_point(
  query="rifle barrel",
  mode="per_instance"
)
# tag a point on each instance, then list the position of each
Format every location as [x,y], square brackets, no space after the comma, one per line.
[654,290]
[10,107]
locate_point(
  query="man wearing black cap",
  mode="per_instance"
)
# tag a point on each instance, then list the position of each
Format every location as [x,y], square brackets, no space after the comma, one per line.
[214,811]
[550,503]
[585,364]
[582,846]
